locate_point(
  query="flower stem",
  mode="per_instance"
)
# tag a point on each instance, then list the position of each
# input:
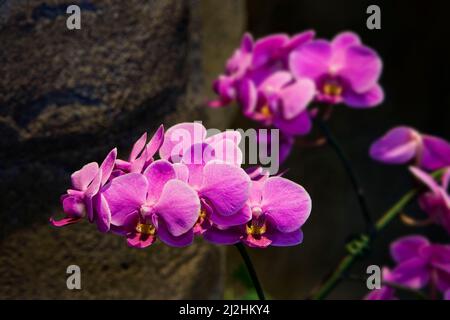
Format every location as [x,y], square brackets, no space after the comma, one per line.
[358,190]
[347,262]
[251,271]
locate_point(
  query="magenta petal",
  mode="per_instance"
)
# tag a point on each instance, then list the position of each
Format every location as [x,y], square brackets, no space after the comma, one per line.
[107,165]
[179,138]
[103,218]
[127,226]
[198,154]
[232,135]
[183,240]
[226,236]
[125,195]
[344,40]
[296,97]
[299,125]
[367,99]
[241,58]
[247,96]
[178,206]
[136,240]
[195,178]
[227,151]
[299,40]
[74,206]
[243,216]
[137,147]
[89,207]
[384,293]
[157,174]
[155,142]
[122,165]
[362,68]
[311,60]
[217,103]
[412,273]
[397,146]
[224,86]
[275,82]
[281,239]
[225,186]
[426,179]
[181,171]
[446,179]
[437,205]
[442,280]
[93,188]
[267,48]
[64,222]
[286,203]
[407,247]
[255,195]
[436,153]
[447,295]
[260,242]
[138,164]
[83,177]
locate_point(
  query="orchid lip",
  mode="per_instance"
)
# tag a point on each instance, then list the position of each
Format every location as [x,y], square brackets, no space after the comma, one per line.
[257,226]
[332,89]
[202,215]
[255,229]
[146,228]
[266,112]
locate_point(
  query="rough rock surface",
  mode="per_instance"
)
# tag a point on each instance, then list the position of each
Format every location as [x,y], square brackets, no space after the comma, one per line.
[66,98]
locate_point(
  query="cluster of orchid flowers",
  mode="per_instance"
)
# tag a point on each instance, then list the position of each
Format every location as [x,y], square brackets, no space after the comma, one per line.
[276,78]
[419,262]
[197,187]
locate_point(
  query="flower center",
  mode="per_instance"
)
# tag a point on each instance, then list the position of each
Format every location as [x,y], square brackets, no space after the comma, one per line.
[332,88]
[146,228]
[266,112]
[201,216]
[255,229]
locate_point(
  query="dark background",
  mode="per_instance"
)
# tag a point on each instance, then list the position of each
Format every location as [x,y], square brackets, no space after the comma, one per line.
[413,43]
[66,98]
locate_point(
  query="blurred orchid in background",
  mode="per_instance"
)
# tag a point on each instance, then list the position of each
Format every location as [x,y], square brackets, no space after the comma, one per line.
[419,263]
[436,200]
[344,70]
[403,145]
[275,79]
[199,188]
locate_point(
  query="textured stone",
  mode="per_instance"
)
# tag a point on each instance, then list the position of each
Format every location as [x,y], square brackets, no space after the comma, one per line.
[66,98]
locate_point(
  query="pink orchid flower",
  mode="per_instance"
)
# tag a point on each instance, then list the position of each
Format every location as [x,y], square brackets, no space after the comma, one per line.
[403,145]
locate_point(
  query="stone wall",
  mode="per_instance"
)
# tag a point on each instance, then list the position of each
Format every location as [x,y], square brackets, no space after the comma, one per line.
[66,98]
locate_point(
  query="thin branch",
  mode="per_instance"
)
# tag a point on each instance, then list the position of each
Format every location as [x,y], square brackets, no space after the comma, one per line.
[356,185]
[251,271]
[342,268]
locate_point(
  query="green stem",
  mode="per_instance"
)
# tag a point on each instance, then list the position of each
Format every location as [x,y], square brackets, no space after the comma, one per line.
[347,262]
[392,213]
[251,271]
[354,180]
